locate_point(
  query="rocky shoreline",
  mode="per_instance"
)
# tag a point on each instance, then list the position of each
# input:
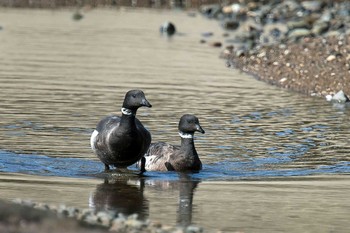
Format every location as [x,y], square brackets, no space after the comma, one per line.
[298,45]
[317,67]
[23,216]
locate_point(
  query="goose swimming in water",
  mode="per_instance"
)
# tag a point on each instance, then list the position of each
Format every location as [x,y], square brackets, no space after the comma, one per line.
[165,157]
[122,141]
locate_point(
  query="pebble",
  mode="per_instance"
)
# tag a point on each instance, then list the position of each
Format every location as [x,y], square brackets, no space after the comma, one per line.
[331,58]
[77,16]
[320,28]
[283,80]
[312,5]
[215,44]
[193,229]
[117,225]
[339,97]
[230,25]
[104,218]
[299,33]
[207,34]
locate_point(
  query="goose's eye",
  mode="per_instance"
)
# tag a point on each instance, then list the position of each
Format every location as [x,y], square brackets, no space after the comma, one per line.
[134,95]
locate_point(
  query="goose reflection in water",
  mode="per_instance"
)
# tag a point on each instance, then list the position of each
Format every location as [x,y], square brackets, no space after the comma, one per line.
[119,196]
[125,195]
[186,192]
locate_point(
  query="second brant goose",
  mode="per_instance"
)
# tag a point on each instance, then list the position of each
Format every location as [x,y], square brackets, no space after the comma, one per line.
[165,157]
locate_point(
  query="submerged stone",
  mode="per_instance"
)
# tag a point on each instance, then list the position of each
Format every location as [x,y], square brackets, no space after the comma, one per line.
[230,25]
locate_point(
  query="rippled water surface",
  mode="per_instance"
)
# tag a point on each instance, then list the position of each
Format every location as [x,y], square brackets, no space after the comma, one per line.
[273,160]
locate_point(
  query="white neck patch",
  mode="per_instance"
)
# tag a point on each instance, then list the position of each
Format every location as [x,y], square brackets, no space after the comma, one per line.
[185,135]
[126,111]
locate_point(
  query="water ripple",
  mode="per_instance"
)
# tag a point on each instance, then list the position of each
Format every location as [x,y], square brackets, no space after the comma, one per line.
[256,168]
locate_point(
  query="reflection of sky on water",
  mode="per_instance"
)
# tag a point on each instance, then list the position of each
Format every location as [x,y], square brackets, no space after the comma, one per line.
[252,168]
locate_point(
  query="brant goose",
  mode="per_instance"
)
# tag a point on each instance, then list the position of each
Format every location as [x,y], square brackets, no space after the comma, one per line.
[165,157]
[168,28]
[122,141]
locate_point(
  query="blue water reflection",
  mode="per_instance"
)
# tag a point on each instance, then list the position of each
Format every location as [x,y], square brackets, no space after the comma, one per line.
[252,168]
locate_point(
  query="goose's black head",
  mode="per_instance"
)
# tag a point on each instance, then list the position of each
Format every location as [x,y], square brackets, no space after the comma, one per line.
[135,99]
[189,124]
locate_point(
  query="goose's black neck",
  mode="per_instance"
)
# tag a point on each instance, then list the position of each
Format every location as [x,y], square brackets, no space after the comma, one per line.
[128,117]
[187,143]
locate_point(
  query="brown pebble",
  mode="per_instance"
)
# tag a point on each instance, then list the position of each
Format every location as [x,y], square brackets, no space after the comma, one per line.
[215,44]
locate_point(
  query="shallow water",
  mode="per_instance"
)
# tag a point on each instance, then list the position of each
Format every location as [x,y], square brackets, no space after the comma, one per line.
[273,160]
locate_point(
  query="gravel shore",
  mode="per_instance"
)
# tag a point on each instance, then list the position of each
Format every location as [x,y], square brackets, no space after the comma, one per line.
[315,66]
[298,45]
[22,216]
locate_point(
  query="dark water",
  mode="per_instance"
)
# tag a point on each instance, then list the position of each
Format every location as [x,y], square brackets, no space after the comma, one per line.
[274,161]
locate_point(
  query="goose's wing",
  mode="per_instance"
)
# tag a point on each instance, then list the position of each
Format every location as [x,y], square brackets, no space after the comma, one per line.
[159,155]
[102,127]
[108,122]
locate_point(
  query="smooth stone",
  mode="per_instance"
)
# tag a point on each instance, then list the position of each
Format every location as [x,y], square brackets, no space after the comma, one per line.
[331,58]
[327,16]
[273,33]
[299,33]
[207,34]
[134,223]
[235,9]
[230,25]
[298,24]
[77,16]
[240,53]
[312,5]
[193,229]
[104,219]
[117,225]
[340,97]
[91,219]
[215,44]
[320,28]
